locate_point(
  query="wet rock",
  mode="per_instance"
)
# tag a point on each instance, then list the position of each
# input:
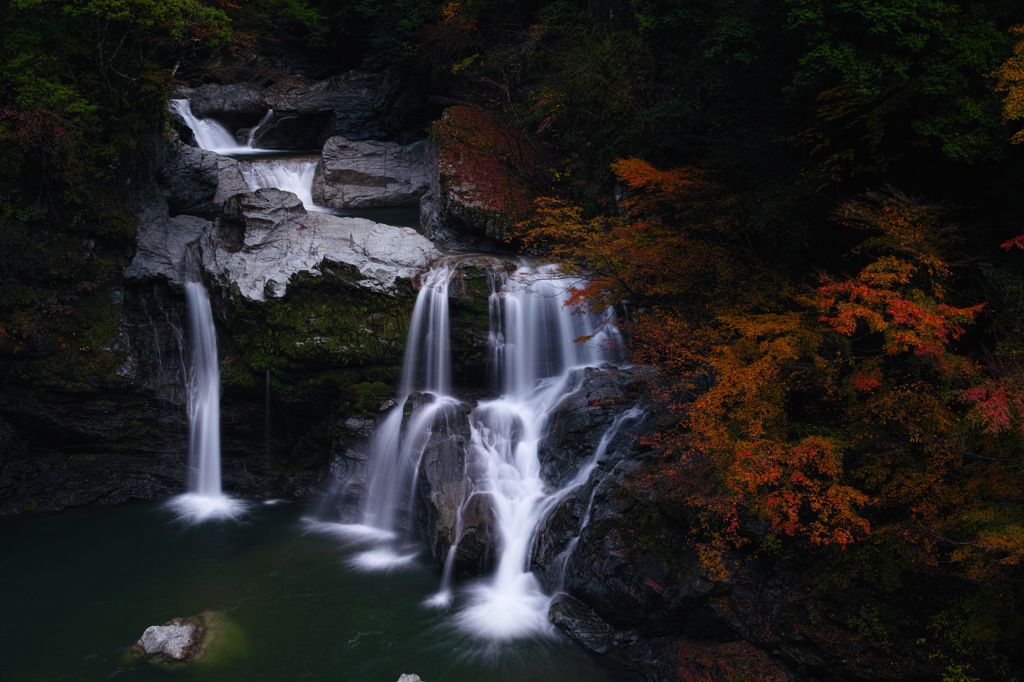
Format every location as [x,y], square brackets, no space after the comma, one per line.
[180,639]
[229,181]
[585,416]
[162,240]
[191,639]
[452,514]
[188,178]
[582,624]
[234,104]
[363,174]
[409,678]
[358,105]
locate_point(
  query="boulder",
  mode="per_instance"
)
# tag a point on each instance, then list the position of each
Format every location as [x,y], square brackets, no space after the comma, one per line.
[409,678]
[262,238]
[364,174]
[453,514]
[235,104]
[188,178]
[189,639]
[266,236]
[307,113]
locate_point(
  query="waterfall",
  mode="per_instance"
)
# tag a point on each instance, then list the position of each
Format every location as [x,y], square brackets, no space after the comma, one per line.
[205,498]
[290,174]
[399,442]
[263,121]
[538,349]
[209,133]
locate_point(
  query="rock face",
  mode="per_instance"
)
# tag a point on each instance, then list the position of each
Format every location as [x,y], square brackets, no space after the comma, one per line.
[262,238]
[266,236]
[188,178]
[451,215]
[353,174]
[358,105]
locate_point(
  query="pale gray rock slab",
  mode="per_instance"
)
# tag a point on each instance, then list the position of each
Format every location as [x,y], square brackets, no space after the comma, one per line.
[161,241]
[262,238]
[409,678]
[368,173]
[230,181]
[280,238]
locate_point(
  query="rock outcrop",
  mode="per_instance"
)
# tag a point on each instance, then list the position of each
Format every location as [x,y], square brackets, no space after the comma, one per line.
[367,174]
[262,238]
[358,105]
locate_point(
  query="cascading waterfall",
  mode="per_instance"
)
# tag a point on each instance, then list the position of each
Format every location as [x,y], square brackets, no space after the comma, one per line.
[204,499]
[289,174]
[537,351]
[539,348]
[210,134]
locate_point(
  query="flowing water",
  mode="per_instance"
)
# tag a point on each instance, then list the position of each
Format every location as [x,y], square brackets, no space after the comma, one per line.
[289,174]
[83,585]
[398,444]
[538,351]
[539,348]
[204,499]
[210,134]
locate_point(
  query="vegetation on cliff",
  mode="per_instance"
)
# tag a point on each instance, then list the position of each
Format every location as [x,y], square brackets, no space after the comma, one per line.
[810,210]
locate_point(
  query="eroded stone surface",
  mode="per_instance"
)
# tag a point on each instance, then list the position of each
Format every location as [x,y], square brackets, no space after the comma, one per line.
[364,174]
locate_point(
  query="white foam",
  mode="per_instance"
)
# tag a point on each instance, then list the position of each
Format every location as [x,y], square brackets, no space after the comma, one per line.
[196,508]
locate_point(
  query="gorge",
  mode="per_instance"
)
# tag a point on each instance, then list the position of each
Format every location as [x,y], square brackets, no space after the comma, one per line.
[555,340]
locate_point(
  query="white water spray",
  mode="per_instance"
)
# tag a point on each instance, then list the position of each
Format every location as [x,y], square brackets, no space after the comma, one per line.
[209,133]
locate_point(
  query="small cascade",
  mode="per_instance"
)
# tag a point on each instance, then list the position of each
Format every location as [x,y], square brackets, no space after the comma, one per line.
[399,442]
[537,350]
[205,499]
[209,133]
[540,347]
[599,454]
[289,174]
[267,117]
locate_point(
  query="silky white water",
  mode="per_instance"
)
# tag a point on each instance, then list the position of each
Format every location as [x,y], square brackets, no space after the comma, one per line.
[537,346]
[289,174]
[395,451]
[205,499]
[209,134]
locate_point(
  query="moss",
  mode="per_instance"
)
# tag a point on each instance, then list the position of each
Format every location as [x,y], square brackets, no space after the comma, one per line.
[29,505]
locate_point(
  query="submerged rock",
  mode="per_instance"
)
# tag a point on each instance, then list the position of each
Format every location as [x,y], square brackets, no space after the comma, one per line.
[366,174]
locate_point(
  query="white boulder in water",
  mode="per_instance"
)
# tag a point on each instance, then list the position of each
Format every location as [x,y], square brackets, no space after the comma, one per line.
[176,640]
